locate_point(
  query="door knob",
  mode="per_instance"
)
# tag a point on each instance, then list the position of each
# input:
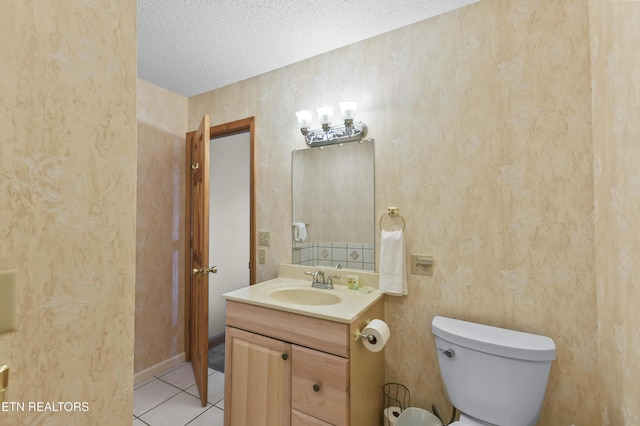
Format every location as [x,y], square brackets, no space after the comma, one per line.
[212,270]
[4,380]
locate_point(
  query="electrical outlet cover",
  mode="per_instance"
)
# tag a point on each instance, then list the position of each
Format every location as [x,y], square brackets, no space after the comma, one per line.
[421,264]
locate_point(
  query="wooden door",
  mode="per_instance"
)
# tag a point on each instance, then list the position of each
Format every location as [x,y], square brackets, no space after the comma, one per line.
[257,389]
[198,142]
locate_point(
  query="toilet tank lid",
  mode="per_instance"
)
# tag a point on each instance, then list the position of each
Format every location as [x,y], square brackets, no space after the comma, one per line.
[495,340]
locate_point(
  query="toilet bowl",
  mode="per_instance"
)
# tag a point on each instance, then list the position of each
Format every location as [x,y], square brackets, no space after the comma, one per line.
[493,376]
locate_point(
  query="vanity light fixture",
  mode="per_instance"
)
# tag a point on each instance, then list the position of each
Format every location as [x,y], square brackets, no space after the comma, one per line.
[350,131]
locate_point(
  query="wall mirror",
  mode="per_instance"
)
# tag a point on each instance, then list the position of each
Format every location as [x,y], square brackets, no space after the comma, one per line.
[333,204]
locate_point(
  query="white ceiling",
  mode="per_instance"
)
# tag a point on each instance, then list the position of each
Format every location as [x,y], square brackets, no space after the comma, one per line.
[193,46]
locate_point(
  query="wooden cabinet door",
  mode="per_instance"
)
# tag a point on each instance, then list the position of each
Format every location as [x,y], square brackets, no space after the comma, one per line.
[257,380]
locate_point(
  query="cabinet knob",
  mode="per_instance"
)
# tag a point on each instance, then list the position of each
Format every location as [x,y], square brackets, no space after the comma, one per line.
[316,387]
[285,356]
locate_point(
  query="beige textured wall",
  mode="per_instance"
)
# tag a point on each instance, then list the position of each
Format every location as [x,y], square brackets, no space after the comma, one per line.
[482,121]
[67,217]
[616,131]
[162,124]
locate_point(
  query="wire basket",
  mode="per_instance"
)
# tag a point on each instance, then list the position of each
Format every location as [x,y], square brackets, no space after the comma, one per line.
[395,395]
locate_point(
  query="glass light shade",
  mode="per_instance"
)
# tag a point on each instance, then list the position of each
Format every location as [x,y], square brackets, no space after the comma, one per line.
[304,118]
[325,112]
[348,107]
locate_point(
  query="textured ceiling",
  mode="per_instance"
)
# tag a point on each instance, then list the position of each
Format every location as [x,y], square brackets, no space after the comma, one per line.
[194,46]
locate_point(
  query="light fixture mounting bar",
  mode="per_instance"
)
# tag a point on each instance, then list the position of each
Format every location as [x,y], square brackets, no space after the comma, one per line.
[343,133]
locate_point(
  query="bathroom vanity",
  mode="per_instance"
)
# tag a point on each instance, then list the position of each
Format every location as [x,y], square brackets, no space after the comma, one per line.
[292,357]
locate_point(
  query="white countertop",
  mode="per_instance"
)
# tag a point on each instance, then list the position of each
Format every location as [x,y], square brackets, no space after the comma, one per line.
[352,302]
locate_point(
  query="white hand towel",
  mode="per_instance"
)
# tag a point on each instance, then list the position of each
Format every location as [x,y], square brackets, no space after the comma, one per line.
[393,277]
[299,232]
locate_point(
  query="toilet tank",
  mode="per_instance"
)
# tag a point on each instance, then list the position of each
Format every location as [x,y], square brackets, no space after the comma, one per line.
[494,375]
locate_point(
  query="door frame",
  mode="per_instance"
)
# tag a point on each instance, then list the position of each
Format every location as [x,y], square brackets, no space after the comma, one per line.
[217,131]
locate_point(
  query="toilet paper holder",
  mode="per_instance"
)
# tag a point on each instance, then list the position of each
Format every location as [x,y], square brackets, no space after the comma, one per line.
[370,337]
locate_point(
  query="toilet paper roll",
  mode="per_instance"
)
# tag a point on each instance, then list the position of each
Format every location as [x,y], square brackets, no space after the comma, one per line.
[380,332]
[391,415]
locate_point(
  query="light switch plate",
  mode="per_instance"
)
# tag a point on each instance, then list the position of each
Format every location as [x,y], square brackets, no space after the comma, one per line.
[7,301]
[262,254]
[264,238]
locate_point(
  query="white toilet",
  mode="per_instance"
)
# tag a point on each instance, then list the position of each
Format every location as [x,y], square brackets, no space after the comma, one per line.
[492,375]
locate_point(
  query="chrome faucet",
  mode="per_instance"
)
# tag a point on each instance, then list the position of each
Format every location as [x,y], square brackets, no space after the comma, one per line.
[319,281]
[317,275]
[330,280]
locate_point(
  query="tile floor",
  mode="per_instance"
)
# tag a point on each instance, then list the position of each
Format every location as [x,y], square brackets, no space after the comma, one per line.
[172,399]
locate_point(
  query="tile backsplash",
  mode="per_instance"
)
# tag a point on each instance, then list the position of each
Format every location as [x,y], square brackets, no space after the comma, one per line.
[334,254]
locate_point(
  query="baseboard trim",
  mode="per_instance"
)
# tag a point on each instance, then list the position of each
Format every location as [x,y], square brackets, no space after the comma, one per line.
[157,369]
[216,340]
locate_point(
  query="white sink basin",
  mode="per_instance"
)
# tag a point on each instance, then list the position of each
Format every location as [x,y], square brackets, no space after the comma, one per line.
[296,295]
[305,296]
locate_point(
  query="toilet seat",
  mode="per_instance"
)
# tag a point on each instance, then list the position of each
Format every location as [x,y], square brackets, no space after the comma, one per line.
[468,421]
